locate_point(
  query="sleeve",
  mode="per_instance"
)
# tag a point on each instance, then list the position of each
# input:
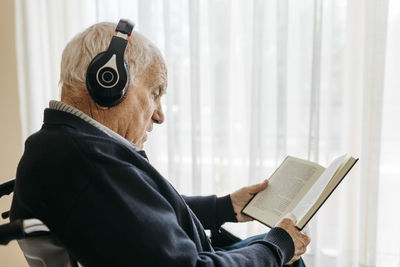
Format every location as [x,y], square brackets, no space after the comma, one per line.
[212,211]
[132,225]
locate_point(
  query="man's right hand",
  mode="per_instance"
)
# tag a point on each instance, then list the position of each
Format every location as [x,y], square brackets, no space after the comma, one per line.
[300,240]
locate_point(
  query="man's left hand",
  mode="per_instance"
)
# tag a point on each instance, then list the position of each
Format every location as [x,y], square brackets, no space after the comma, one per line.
[242,196]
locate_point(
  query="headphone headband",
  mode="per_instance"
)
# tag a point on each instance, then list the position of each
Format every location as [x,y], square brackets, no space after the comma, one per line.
[108,77]
[125,27]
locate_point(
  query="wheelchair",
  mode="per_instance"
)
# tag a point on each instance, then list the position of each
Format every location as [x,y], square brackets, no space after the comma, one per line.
[38,245]
[42,249]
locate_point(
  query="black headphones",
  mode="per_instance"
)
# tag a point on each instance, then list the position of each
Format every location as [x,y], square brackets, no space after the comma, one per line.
[107,77]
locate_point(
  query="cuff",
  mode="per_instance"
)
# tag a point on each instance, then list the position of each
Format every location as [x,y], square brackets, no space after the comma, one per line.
[224,210]
[282,240]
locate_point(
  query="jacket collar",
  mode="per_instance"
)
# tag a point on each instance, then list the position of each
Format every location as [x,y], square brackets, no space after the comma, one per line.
[62,113]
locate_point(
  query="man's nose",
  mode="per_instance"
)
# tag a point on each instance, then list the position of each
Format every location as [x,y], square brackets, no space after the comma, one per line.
[158,115]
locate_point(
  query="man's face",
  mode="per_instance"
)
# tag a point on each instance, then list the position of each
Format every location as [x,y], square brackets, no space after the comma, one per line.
[143,103]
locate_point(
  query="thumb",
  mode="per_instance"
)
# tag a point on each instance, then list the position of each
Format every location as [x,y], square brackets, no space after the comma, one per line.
[253,189]
[292,217]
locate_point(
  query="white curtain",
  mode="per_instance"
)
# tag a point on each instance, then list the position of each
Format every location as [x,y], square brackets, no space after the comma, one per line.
[249,83]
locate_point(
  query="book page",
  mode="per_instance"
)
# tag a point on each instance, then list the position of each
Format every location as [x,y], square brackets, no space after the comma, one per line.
[286,187]
[333,183]
[316,190]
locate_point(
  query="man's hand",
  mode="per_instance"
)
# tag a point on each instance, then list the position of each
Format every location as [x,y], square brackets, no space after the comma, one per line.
[300,240]
[242,196]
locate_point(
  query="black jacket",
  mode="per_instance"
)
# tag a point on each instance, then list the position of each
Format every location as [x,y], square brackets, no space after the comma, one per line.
[109,207]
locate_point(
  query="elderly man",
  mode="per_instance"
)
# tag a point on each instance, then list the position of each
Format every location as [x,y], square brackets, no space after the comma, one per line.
[85,175]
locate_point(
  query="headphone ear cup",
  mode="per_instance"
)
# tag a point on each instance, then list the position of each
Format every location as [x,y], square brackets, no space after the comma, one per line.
[128,83]
[107,83]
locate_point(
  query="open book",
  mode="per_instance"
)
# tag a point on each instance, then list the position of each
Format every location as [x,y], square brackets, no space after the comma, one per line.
[297,186]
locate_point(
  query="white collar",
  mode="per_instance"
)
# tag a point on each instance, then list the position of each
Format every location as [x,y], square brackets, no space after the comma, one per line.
[61,106]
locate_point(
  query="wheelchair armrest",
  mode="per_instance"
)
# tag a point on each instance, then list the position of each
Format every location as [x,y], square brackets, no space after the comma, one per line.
[7,187]
[20,229]
[11,231]
[5,214]
[223,238]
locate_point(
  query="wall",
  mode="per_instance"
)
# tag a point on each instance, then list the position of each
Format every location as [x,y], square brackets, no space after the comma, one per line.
[10,133]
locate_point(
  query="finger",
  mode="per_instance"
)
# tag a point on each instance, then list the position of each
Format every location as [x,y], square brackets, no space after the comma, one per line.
[253,189]
[301,250]
[295,258]
[289,262]
[244,218]
[306,239]
[298,256]
[299,247]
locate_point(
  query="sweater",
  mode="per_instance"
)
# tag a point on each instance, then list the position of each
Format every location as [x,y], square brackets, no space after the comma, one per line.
[109,206]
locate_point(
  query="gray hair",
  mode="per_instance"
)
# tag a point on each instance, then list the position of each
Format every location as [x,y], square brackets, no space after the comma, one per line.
[80,51]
